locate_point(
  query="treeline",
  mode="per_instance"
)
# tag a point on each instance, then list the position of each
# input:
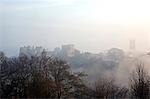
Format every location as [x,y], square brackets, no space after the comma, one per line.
[47,77]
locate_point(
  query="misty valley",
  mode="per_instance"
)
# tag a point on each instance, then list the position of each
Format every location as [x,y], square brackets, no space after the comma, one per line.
[74,49]
[68,73]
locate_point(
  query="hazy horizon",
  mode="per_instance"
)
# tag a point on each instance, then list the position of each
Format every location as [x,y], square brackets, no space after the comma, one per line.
[92,25]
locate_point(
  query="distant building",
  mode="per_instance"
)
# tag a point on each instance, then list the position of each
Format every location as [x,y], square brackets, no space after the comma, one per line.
[132,45]
[65,51]
[68,50]
[132,48]
[30,51]
[56,51]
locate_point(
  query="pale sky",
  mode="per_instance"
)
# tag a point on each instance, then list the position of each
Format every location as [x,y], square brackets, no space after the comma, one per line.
[92,25]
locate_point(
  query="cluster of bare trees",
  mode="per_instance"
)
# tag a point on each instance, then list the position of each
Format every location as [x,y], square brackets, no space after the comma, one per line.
[39,77]
[47,77]
[138,86]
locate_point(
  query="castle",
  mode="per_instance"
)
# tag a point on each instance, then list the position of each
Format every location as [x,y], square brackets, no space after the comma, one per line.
[65,51]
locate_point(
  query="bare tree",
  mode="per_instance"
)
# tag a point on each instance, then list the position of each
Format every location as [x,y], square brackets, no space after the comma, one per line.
[68,83]
[15,73]
[107,88]
[2,58]
[139,83]
[40,87]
